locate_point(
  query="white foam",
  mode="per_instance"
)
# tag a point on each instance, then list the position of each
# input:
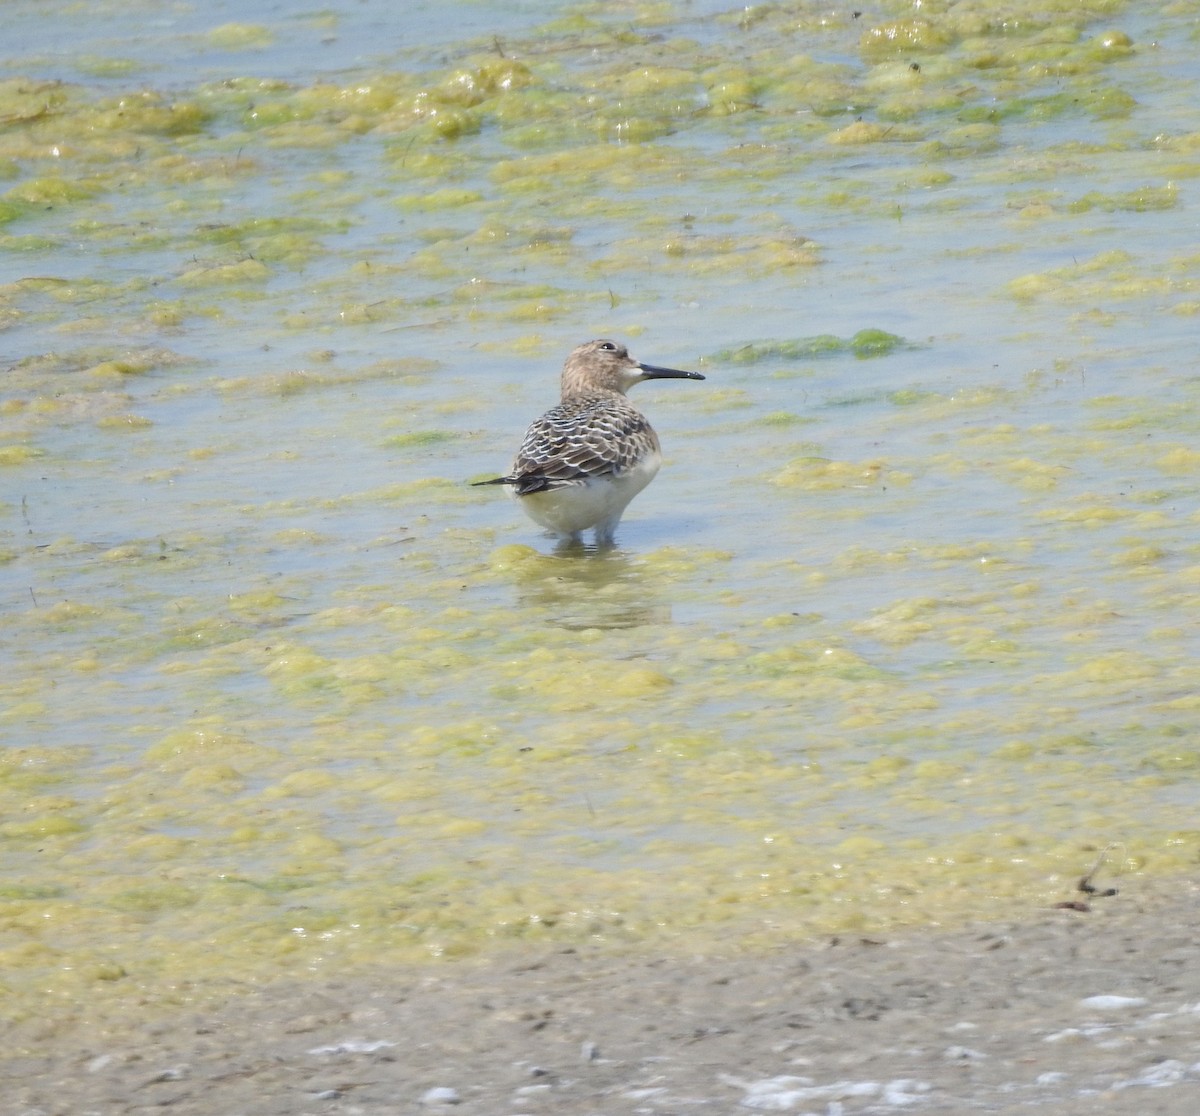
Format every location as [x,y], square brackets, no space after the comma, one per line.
[780,1094]
[352,1046]
[1112,1003]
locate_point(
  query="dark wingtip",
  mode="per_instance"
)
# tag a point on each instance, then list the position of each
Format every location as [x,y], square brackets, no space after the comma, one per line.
[523,485]
[530,482]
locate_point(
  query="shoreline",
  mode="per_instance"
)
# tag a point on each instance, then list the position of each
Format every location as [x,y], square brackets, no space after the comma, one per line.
[1060,1010]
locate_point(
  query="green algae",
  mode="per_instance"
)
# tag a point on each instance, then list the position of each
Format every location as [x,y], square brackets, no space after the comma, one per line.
[419,438]
[240,36]
[865,343]
[413,737]
[1136,201]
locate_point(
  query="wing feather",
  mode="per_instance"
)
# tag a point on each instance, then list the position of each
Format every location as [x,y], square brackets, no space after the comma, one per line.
[583,439]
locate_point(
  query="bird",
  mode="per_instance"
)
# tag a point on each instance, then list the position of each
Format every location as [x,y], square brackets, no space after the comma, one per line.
[582,462]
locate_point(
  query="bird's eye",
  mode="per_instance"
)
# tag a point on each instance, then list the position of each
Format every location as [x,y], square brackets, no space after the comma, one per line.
[608,346]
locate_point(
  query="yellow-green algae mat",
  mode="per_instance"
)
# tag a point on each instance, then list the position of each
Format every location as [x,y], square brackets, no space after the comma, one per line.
[283,695]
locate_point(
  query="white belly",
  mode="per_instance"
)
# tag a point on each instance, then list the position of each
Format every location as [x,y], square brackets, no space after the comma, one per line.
[597,503]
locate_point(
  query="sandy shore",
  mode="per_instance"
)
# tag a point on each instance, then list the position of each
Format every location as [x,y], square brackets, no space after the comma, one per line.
[1060,1011]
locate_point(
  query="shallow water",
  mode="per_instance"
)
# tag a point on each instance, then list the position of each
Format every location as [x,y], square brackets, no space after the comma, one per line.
[903,632]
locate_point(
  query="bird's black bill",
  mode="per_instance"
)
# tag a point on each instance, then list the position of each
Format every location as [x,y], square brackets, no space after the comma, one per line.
[655,373]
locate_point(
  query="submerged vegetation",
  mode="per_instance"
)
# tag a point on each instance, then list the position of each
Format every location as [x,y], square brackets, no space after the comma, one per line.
[286,694]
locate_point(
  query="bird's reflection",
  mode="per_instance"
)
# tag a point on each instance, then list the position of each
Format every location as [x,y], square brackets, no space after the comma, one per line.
[580,586]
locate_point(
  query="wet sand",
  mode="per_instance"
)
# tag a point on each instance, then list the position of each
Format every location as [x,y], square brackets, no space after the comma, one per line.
[1053,1010]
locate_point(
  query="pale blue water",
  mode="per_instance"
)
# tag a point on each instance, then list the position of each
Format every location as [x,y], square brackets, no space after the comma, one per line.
[270,565]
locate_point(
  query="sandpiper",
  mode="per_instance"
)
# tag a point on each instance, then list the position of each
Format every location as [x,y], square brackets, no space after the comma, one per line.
[584,460]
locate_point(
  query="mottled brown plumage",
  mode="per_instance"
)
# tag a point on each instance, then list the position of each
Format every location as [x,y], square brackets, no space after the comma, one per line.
[581,463]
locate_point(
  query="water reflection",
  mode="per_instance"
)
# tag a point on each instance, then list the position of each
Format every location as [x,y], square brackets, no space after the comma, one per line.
[580,586]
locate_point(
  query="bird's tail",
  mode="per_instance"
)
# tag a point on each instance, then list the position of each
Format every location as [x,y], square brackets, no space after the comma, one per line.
[523,485]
